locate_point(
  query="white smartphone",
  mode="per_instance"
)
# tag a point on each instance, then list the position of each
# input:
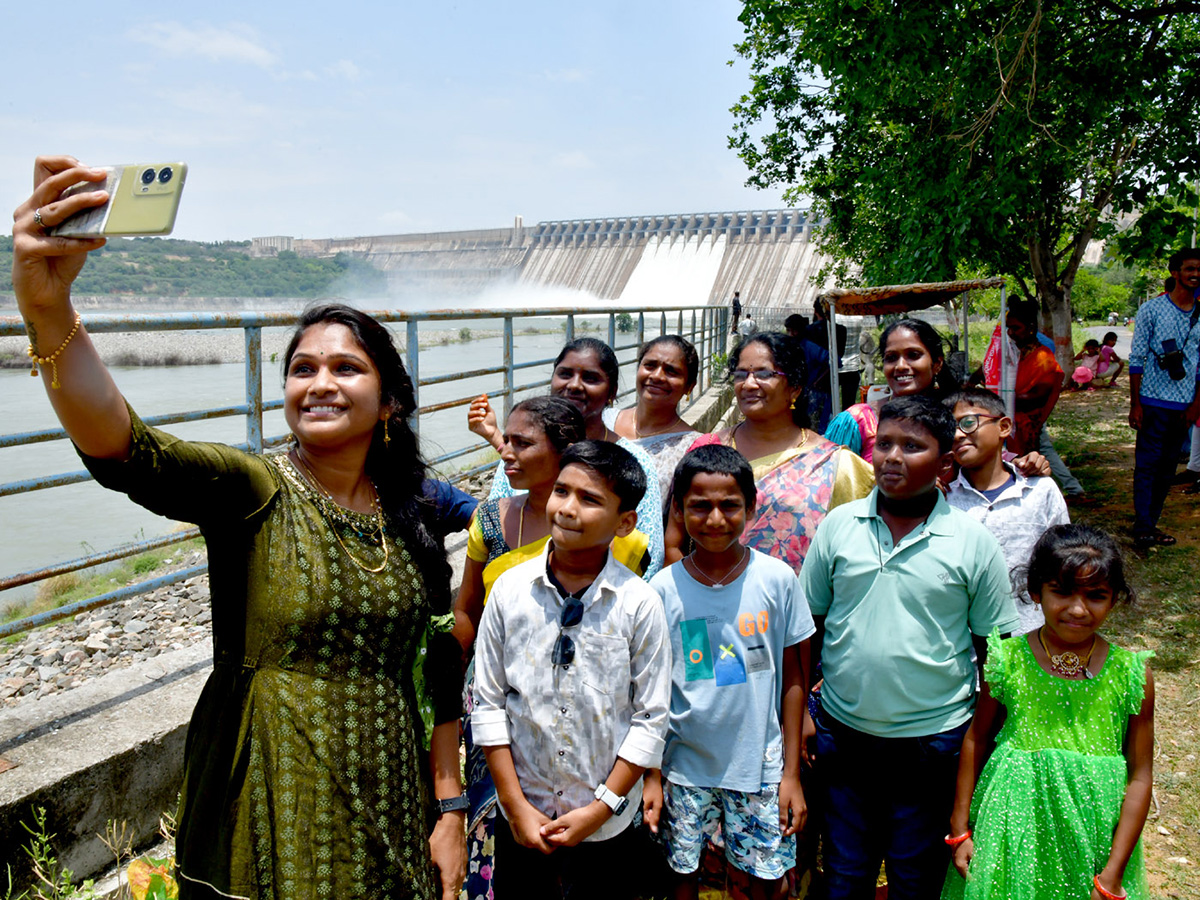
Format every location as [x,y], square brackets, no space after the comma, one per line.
[143,200]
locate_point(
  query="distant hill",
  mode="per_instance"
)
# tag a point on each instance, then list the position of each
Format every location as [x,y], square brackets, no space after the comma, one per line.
[165,267]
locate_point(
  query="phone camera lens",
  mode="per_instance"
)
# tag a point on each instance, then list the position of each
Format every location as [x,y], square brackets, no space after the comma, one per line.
[148,176]
[164,174]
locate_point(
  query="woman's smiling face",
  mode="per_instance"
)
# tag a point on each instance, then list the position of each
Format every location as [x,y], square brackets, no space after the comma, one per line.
[764,398]
[907,364]
[579,379]
[332,389]
[662,375]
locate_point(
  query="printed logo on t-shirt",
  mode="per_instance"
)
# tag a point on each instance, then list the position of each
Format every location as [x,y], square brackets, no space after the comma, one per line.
[729,668]
[697,650]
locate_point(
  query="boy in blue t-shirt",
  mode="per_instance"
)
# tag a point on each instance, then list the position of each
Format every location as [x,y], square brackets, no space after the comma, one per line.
[739,628]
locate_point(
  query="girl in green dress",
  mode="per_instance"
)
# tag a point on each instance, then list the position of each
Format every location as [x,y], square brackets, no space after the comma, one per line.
[1060,804]
[306,773]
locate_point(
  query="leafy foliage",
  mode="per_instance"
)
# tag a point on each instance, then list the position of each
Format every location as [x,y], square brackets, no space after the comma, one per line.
[992,134]
[165,267]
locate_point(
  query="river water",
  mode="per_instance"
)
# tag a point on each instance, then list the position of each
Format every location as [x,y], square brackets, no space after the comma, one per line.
[56,524]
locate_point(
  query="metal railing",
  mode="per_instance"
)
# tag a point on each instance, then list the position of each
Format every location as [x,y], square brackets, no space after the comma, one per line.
[706,327]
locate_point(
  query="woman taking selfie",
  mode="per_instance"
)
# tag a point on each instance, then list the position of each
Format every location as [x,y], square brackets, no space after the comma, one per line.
[305,769]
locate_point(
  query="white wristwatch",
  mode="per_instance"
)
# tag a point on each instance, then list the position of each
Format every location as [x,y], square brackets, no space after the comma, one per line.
[611,799]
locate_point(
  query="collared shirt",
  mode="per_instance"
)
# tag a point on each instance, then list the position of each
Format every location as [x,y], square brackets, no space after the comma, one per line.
[1017,517]
[1158,320]
[566,725]
[899,619]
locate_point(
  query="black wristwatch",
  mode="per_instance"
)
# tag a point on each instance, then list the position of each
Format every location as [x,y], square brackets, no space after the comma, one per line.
[454,804]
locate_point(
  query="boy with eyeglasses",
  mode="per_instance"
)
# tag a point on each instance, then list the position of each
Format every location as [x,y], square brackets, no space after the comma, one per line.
[1015,509]
[572,688]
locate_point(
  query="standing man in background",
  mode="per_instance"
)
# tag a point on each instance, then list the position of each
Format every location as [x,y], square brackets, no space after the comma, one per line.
[1164,367]
[736,303]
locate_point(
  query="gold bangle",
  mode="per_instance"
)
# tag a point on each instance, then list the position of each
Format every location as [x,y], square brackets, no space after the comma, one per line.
[53,357]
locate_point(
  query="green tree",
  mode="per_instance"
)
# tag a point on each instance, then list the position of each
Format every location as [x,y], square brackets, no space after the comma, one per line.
[624,323]
[999,135]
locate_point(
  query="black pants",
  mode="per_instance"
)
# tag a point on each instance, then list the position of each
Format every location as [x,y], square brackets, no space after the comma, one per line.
[1155,458]
[593,870]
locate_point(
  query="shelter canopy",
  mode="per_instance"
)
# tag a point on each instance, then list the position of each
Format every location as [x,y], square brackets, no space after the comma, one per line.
[899,298]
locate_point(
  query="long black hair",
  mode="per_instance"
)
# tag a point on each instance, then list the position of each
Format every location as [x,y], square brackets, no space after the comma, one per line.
[788,354]
[396,467]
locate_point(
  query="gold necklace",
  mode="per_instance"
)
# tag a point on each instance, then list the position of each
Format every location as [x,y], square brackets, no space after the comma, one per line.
[1068,664]
[733,438]
[333,513]
[728,576]
[639,434]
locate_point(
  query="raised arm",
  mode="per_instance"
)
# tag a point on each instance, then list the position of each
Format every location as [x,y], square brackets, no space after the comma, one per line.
[86,399]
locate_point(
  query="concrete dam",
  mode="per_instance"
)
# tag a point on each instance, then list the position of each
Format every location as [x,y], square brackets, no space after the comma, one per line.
[686,258]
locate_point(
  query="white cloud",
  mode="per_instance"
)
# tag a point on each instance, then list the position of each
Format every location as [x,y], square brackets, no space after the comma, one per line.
[343,68]
[565,75]
[236,43]
[576,159]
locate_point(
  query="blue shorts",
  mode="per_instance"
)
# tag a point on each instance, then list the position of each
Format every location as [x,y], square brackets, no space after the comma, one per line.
[747,824]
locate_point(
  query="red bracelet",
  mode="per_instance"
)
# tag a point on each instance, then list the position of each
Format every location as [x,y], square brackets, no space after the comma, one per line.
[955,841]
[1106,894]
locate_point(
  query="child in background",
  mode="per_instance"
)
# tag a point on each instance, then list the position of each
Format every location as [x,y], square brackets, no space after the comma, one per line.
[1015,509]
[1060,805]
[1089,357]
[572,687]
[902,587]
[1109,358]
[739,629]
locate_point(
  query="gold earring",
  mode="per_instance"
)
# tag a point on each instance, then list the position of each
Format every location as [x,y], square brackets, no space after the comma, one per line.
[387,438]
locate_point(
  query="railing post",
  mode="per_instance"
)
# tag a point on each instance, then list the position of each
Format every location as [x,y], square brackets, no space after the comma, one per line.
[413,352]
[612,329]
[254,398]
[570,327]
[662,324]
[703,348]
[641,332]
[509,380]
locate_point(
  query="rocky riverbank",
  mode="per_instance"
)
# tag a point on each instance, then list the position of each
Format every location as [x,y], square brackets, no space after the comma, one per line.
[65,655]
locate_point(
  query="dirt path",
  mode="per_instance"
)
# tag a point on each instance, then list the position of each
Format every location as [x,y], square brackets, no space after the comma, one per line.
[1094,438]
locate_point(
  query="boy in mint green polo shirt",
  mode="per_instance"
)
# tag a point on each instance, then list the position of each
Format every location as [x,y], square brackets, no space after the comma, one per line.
[901,587]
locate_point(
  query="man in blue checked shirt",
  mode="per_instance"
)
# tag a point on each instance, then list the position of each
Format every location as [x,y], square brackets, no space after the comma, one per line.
[1164,368]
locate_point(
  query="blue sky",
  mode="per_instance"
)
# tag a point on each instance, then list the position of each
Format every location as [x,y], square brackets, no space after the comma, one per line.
[374,118]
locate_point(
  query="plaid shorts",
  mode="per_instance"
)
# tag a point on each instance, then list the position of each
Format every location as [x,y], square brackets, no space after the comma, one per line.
[747,824]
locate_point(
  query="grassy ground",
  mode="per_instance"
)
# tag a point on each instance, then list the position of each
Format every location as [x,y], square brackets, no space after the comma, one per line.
[1094,439]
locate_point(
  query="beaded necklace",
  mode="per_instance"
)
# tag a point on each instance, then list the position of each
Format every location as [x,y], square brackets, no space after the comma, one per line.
[335,515]
[1068,664]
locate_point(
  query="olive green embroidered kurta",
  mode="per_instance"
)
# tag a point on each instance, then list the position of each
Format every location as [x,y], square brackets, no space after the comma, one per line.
[303,770]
